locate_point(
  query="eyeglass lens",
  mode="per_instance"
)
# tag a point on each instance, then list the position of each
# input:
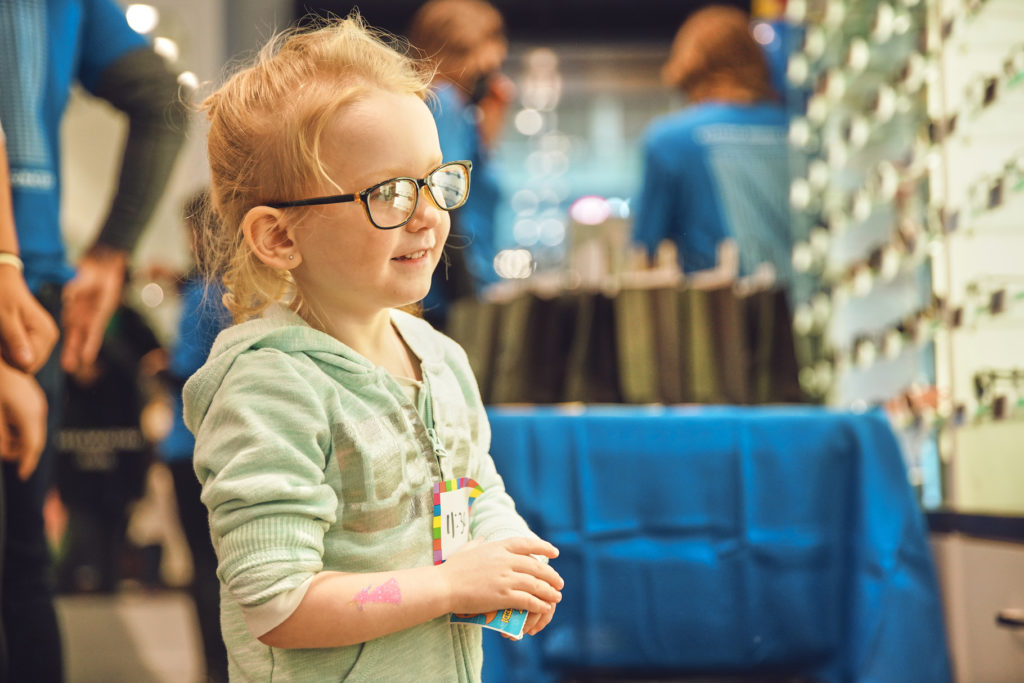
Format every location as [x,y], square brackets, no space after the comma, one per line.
[448,185]
[394,202]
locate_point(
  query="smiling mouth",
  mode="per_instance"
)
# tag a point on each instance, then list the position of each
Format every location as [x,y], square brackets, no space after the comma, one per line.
[411,257]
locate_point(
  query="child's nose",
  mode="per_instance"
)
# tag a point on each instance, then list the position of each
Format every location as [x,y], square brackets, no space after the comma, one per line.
[426,214]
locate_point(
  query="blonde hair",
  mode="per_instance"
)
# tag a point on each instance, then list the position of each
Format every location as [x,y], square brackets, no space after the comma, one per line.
[264,141]
[447,32]
[714,49]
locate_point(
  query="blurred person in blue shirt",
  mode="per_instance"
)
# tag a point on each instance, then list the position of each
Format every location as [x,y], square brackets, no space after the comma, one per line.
[201,318]
[465,39]
[48,47]
[718,169]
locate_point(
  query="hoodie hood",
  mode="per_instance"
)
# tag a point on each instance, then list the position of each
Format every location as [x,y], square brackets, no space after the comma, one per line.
[282,329]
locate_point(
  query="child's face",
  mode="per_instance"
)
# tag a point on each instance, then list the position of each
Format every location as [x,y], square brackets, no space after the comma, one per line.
[349,267]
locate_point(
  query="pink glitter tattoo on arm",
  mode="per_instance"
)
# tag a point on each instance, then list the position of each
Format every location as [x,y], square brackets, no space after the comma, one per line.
[386,592]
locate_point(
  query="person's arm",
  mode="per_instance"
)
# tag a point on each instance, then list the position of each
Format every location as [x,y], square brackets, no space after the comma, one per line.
[493,108]
[140,85]
[655,213]
[494,515]
[22,419]
[27,332]
[270,507]
[344,609]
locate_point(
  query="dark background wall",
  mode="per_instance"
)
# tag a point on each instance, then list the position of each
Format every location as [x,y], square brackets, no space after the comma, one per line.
[545,20]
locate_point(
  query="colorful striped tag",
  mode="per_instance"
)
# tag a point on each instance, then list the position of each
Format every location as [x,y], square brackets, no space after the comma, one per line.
[473,490]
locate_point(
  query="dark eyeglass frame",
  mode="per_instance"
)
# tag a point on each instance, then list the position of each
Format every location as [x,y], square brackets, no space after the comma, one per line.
[360,197]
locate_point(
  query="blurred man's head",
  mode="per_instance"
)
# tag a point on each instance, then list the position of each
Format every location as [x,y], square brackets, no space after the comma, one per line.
[465,39]
[714,56]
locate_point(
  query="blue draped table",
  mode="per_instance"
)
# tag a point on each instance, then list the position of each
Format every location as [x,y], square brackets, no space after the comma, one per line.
[720,540]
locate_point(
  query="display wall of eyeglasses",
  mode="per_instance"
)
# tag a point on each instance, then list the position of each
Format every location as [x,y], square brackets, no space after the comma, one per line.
[977,198]
[908,158]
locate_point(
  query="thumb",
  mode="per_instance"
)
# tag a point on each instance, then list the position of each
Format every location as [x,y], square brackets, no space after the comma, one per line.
[15,343]
[6,447]
[93,340]
[70,358]
[531,546]
[28,463]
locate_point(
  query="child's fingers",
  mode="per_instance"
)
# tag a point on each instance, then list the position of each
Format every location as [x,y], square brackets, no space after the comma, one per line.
[531,622]
[542,589]
[530,546]
[528,601]
[534,567]
[543,619]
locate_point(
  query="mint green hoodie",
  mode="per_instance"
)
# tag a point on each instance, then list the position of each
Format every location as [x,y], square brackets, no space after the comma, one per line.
[311,458]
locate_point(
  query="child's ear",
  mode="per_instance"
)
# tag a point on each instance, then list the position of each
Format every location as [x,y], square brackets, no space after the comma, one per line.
[270,238]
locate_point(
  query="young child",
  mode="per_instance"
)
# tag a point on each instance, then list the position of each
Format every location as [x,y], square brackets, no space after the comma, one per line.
[326,419]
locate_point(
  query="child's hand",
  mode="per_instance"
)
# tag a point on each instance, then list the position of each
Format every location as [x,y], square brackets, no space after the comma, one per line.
[497,575]
[535,622]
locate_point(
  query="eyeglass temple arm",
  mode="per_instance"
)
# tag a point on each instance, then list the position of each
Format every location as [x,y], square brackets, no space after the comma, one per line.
[316,201]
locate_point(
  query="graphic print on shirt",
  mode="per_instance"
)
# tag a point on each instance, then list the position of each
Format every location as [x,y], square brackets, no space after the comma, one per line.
[22,71]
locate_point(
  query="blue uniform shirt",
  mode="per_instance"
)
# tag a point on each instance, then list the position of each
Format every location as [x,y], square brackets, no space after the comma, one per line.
[714,171]
[55,44]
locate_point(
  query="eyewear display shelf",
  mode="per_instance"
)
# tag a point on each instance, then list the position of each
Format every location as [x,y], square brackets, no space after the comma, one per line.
[977,196]
[908,157]
[859,77]
[977,201]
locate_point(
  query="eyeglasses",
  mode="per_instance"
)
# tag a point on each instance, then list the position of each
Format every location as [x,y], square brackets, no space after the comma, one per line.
[392,203]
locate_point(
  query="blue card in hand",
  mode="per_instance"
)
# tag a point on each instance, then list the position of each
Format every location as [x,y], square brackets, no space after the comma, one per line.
[509,622]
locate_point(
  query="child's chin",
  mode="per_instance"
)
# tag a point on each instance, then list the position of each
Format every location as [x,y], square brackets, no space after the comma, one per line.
[415,299]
